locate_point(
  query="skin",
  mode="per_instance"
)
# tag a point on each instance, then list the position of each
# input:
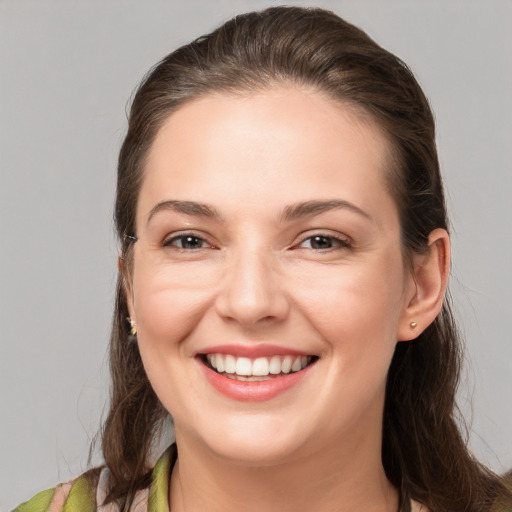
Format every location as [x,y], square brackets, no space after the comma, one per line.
[258,278]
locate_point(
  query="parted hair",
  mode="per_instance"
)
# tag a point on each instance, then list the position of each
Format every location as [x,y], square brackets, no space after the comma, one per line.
[424,450]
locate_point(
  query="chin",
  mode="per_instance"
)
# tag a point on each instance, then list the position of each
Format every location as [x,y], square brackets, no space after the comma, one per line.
[252,441]
[255,454]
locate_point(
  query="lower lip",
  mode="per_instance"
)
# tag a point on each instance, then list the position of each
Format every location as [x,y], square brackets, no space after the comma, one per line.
[257,391]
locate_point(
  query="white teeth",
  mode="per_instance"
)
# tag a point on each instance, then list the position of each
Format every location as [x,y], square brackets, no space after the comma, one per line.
[219,363]
[251,378]
[286,365]
[297,365]
[259,367]
[243,366]
[275,365]
[229,364]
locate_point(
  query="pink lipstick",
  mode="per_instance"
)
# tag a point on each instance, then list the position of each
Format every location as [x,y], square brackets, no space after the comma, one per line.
[254,372]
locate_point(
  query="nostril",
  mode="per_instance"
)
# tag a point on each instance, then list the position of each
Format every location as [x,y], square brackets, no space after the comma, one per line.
[250,293]
[250,311]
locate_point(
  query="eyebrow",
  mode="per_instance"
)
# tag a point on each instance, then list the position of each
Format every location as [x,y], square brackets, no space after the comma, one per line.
[312,208]
[188,208]
[290,212]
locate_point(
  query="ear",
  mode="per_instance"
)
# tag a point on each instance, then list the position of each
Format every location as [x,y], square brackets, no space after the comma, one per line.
[427,287]
[127,285]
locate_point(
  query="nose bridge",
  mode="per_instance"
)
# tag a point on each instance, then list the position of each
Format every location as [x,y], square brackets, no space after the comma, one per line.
[251,290]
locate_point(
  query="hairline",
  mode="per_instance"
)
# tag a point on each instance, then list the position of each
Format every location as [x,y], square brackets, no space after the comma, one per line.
[393,161]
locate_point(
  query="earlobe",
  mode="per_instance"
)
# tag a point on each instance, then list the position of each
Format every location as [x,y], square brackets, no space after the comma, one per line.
[429,279]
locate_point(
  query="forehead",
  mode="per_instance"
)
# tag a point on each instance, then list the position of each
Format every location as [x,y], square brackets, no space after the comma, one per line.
[283,144]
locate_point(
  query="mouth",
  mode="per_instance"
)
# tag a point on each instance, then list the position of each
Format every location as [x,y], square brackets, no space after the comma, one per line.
[258,369]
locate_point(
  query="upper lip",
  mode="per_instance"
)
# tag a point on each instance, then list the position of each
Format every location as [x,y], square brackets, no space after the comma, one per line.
[253,350]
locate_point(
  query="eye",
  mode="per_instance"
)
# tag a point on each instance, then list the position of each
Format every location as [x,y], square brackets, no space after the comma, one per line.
[323,243]
[186,242]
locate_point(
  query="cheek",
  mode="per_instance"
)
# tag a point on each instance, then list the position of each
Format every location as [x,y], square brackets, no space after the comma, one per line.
[167,310]
[356,314]
[355,309]
[166,315]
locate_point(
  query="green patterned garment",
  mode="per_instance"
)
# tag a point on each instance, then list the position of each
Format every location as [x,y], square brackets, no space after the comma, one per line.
[83,495]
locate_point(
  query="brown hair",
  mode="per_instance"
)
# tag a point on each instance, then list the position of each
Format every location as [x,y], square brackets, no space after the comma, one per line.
[423,453]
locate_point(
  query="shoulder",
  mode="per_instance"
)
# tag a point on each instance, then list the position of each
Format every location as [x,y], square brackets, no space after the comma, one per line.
[418,507]
[79,494]
[88,492]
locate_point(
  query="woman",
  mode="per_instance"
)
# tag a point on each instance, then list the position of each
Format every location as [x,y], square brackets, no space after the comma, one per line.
[283,269]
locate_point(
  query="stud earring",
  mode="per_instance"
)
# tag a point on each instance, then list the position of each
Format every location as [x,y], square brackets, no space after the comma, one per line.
[133,326]
[413,325]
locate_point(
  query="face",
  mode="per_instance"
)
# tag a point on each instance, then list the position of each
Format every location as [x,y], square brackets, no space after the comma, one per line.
[268,284]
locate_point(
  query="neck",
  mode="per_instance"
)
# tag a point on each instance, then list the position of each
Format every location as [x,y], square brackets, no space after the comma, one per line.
[324,481]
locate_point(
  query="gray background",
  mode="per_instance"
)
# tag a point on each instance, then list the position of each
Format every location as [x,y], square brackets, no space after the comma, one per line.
[67,69]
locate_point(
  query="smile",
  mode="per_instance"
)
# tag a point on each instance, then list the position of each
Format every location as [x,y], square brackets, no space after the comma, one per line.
[255,373]
[254,370]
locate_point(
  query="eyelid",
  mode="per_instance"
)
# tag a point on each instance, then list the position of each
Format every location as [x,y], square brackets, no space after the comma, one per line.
[344,240]
[169,238]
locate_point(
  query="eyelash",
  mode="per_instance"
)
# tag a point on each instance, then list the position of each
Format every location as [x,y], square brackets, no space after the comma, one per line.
[342,243]
[169,241]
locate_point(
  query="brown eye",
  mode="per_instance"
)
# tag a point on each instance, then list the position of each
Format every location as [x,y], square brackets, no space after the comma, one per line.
[323,242]
[187,242]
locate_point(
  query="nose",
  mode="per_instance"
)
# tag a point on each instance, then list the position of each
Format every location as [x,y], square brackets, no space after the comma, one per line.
[251,291]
